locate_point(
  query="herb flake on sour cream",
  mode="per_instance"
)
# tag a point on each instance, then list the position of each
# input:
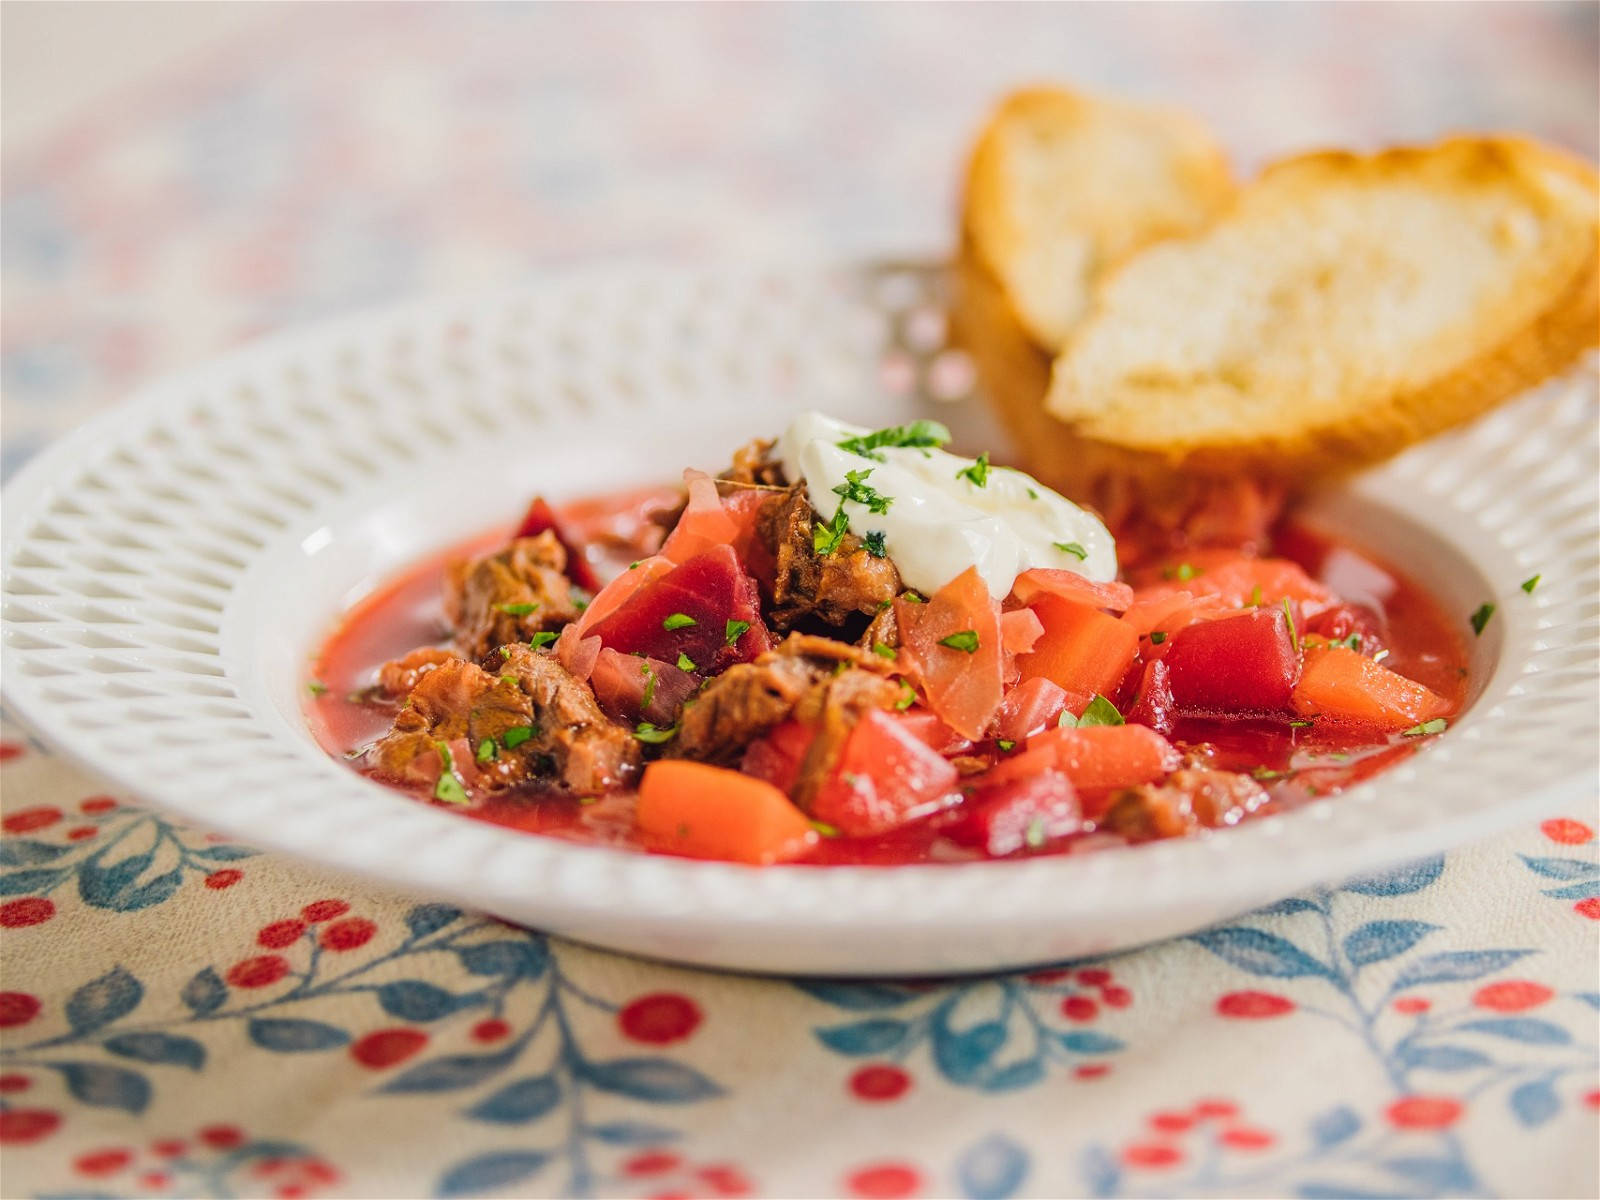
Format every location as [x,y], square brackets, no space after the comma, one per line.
[948,512]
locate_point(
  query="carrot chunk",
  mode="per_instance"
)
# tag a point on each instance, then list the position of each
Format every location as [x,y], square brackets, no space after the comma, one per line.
[1082,650]
[1108,756]
[1337,682]
[711,812]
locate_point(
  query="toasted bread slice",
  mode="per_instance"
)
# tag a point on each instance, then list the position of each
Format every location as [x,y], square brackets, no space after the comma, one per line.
[1061,185]
[1343,308]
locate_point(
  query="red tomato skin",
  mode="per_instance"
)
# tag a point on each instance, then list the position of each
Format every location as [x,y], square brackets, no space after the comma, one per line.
[777,757]
[1031,706]
[998,819]
[886,776]
[1244,663]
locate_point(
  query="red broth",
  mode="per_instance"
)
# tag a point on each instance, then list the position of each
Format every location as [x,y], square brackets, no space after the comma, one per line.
[1295,763]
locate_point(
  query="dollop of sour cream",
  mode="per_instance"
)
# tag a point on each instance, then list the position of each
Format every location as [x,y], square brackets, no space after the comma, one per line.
[939,519]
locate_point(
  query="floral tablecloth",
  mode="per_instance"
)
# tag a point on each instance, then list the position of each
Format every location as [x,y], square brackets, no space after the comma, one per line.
[184,1016]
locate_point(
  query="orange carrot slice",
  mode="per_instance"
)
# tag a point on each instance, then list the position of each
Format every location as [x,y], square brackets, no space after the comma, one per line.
[1337,682]
[711,812]
[1082,649]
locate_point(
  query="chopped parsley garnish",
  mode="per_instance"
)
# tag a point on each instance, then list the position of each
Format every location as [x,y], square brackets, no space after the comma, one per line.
[678,621]
[1288,615]
[1032,495]
[855,488]
[1183,572]
[1299,723]
[912,598]
[487,750]
[1349,642]
[511,679]
[543,638]
[515,737]
[649,734]
[825,537]
[516,610]
[448,788]
[918,433]
[875,544]
[1034,837]
[1066,720]
[1481,618]
[1101,712]
[734,630]
[1529,584]
[978,473]
[1158,636]
[1264,774]
[316,687]
[908,696]
[883,651]
[823,828]
[685,663]
[965,640]
[648,696]
[1006,744]
[1071,548]
[1437,725]
[1255,596]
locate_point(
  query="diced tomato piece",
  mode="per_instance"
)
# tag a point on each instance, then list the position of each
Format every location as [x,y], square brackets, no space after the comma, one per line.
[704,525]
[886,776]
[1154,705]
[926,727]
[1069,585]
[541,517]
[963,686]
[710,812]
[1032,705]
[777,757]
[687,612]
[1340,683]
[1019,814]
[1242,582]
[640,689]
[1165,611]
[1107,756]
[1083,650]
[1243,663]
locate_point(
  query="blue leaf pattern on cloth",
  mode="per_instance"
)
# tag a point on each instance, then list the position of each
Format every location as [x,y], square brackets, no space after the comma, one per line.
[169,1048]
[1521,1029]
[1401,881]
[1535,1102]
[877,1036]
[1261,953]
[520,1102]
[1378,940]
[295,1035]
[24,852]
[655,1080]
[1561,868]
[106,1087]
[414,1000]
[488,1172]
[993,1169]
[430,918]
[1454,966]
[1334,1126]
[858,996]
[101,1001]
[205,992]
[1444,1175]
[1438,1057]
[451,1073]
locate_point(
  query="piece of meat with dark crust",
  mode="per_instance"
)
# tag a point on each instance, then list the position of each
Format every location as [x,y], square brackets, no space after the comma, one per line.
[753,463]
[397,677]
[1187,800]
[833,707]
[510,595]
[830,587]
[790,681]
[557,731]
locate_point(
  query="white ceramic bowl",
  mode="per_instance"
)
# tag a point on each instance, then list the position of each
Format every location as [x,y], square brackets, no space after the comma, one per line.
[168,569]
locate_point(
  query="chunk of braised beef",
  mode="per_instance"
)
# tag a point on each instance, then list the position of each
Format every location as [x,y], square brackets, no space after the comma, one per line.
[510,595]
[532,721]
[832,587]
[793,681]
[1187,800]
[397,677]
[591,752]
[753,463]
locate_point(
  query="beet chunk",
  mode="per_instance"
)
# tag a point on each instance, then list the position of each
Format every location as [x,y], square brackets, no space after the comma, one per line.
[687,611]
[1236,664]
[1021,814]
